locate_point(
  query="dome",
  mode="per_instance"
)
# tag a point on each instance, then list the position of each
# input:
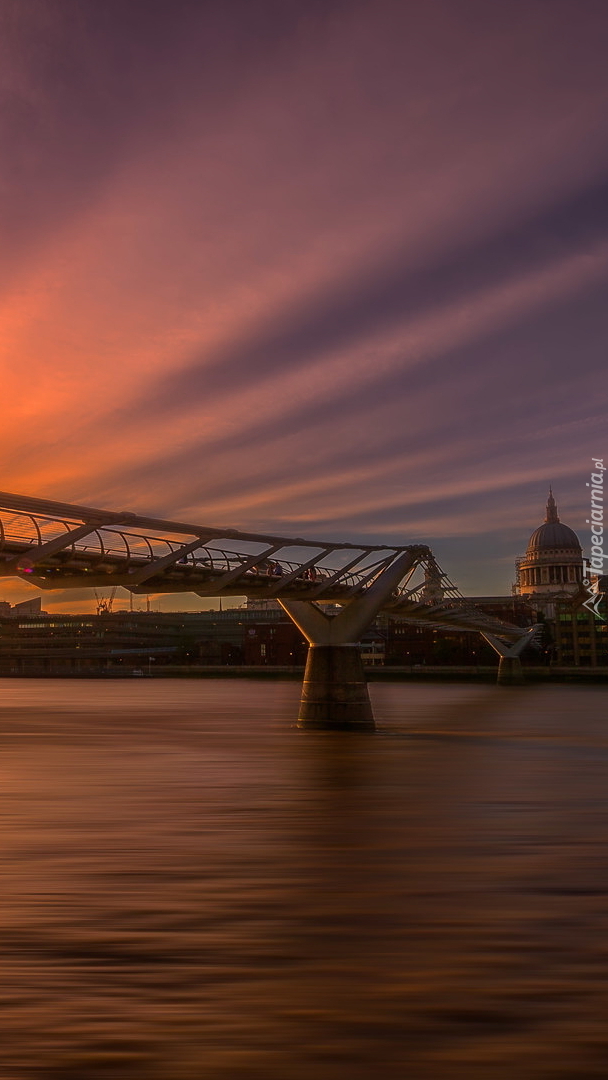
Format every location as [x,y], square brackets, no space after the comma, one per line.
[552,567]
[553,533]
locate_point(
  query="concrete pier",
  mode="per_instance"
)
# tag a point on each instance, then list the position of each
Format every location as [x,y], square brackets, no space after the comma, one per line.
[334,691]
[510,671]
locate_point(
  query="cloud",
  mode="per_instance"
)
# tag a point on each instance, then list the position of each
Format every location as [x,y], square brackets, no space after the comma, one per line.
[272,264]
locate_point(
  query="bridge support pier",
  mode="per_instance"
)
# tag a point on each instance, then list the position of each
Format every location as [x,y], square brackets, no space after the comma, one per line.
[334,692]
[510,671]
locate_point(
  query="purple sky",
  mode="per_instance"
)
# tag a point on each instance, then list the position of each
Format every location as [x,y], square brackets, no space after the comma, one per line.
[337,269]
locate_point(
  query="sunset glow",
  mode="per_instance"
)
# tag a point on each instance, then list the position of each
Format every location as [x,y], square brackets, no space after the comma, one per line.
[331,268]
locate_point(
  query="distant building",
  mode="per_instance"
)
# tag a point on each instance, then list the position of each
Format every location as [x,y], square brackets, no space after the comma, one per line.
[580,637]
[552,568]
[120,642]
[262,605]
[26,607]
[550,577]
[409,644]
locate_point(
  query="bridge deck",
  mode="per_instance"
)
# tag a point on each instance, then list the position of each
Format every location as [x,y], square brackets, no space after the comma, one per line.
[60,546]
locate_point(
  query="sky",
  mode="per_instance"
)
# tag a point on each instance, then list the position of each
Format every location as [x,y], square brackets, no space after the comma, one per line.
[312,267]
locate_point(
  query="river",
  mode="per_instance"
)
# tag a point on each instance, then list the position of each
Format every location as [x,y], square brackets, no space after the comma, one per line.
[194,890]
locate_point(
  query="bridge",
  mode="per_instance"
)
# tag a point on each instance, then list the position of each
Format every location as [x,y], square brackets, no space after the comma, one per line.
[332,591]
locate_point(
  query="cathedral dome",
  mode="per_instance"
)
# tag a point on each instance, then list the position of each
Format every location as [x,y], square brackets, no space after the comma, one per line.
[553,564]
[553,533]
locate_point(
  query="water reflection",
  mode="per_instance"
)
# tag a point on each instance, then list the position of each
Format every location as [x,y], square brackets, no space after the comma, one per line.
[194,889]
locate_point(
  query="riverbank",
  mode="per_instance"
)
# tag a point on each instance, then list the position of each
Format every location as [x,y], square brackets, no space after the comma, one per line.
[413,673]
[378,673]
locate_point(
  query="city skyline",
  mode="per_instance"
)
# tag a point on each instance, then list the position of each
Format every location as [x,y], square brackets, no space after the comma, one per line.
[331,270]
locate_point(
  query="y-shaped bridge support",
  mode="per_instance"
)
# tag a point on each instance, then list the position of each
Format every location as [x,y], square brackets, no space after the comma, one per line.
[510,672]
[334,691]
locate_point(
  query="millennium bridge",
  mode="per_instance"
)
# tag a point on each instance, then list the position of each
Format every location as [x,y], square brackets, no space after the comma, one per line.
[331,591]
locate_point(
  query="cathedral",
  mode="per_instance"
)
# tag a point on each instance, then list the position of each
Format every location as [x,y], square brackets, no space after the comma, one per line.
[552,568]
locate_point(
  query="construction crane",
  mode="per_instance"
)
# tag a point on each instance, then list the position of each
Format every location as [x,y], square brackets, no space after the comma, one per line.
[105,603]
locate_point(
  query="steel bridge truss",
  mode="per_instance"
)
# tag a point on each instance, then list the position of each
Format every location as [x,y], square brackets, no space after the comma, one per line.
[55,545]
[332,592]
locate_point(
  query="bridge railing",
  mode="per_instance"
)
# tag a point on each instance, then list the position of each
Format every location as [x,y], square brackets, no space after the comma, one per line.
[61,545]
[109,545]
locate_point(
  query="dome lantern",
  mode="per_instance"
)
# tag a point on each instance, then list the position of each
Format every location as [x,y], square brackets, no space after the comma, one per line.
[551,518]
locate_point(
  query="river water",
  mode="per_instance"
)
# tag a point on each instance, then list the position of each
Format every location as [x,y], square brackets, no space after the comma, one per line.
[194,890]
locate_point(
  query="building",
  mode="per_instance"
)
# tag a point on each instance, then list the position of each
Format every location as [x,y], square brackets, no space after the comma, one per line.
[411,645]
[552,568]
[580,635]
[121,642]
[26,607]
[550,577]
